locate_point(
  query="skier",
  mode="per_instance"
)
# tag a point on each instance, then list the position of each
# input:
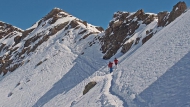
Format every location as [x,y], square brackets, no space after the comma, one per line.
[116,62]
[110,66]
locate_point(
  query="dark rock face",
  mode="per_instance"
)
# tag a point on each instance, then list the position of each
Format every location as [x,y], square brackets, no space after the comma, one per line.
[17,39]
[178,9]
[126,47]
[147,38]
[26,32]
[100,28]
[162,18]
[74,24]
[121,29]
[89,86]
[165,18]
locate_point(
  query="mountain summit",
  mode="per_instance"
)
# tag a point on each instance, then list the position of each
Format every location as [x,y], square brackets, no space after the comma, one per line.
[17,45]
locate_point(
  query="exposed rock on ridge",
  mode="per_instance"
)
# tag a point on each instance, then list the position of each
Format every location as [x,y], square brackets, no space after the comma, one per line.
[125,26]
[6,29]
[121,28]
[165,18]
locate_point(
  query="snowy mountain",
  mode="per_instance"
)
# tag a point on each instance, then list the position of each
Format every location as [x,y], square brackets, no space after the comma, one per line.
[17,46]
[55,60]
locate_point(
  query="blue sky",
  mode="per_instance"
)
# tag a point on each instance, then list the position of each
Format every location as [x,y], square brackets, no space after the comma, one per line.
[24,13]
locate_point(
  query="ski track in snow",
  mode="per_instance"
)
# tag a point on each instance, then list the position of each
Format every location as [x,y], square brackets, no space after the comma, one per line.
[101,92]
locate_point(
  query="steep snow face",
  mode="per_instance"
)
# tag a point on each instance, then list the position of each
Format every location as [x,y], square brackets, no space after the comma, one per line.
[157,73]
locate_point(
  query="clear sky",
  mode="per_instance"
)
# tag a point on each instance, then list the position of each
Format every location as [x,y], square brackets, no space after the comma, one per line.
[24,13]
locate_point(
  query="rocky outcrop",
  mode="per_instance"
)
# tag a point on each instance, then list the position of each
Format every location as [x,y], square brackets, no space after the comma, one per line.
[126,47]
[100,28]
[177,10]
[124,26]
[8,30]
[147,38]
[162,18]
[55,14]
[17,39]
[165,18]
[89,86]
[121,28]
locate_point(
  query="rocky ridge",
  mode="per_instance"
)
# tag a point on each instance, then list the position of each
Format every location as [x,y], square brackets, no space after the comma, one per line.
[127,30]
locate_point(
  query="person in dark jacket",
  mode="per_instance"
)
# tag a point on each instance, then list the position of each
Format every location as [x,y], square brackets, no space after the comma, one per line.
[110,65]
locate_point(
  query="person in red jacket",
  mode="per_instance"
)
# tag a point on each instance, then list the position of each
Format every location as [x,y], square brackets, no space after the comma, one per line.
[116,62]
[110,65]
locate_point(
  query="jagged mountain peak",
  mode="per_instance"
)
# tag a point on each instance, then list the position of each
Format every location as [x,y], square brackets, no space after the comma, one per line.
[58,16]
[57,24]
[55,13]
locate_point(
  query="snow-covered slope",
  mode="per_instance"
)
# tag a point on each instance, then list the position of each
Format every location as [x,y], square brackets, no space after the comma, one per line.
[58,67]
[157,74]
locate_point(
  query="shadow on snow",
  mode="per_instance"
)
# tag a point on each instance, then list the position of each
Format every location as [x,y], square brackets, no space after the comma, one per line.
[72,78]
[171,90]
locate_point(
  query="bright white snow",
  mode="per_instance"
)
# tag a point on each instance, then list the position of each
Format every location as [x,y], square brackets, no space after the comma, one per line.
[155,75]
